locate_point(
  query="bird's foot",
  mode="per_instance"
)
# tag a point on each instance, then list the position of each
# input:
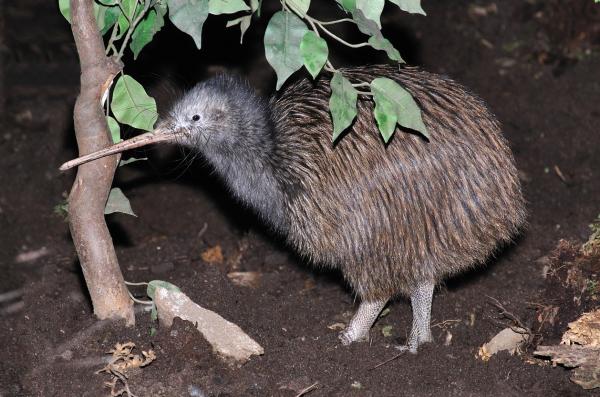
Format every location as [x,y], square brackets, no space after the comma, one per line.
[414,342]
[358,328]
[351,335]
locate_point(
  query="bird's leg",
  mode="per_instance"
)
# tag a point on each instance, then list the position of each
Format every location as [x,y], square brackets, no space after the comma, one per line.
[420,299]
[361,322]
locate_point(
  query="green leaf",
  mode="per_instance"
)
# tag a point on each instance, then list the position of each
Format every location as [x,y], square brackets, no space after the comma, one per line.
[381,43]
[129,8]
[145,31]
[65,9]
[282,40]
[131,160]
[342,103]
[385,116]
[217,7]
[108,2]
[244,23]
[117,202]
[371,9]
[154,284]
[314,52]
[189,17]
[347,5]
[111,15]
[301,6]
[387,91]
[131,105]
[364,24]
[115,130]
[123,25]
[411,6]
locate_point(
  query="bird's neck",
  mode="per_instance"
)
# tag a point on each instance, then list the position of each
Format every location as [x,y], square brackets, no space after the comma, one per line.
[249,171]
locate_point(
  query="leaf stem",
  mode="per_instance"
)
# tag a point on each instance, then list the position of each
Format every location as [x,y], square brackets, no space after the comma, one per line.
[142,302]
[333,35]
[111,42]
[337,21]
[133,25]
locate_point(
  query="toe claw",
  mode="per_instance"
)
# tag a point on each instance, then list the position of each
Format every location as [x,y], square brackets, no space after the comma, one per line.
[406,348]
[344,338]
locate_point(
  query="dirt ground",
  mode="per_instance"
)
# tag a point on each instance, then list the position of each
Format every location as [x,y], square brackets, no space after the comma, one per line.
[536,63]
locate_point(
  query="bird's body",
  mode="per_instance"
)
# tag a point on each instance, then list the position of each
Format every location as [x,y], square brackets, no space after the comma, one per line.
[391,215]
[395,218]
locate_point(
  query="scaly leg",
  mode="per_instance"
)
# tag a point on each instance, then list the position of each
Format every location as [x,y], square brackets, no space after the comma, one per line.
[361,323]
[420,300]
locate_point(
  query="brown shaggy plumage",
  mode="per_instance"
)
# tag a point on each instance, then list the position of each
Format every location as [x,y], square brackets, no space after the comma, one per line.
[390,216]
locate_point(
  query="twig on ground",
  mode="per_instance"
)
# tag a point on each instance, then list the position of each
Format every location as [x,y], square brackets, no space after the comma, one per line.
[560,175]
[388,360]
[444,325]
[517,325]
[307,390]
[12,308]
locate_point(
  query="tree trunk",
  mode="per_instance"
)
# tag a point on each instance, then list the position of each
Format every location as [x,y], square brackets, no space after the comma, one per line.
[93,181]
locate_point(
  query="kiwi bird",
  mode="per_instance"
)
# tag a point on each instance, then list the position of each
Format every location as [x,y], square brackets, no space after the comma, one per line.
[395,219]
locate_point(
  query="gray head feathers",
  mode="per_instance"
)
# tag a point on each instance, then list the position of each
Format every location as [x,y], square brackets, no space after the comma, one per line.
[227,122]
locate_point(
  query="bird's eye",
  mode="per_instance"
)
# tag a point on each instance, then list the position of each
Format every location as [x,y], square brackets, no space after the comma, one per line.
[195,117]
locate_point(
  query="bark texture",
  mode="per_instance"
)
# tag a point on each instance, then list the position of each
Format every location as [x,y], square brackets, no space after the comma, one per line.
[93,181]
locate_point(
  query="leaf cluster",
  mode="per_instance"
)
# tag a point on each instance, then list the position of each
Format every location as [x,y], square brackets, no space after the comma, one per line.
[293,39]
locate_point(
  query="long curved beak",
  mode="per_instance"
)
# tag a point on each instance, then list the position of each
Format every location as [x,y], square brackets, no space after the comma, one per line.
[158,135]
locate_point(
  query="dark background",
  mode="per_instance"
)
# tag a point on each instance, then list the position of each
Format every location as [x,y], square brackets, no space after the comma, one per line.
[534,62]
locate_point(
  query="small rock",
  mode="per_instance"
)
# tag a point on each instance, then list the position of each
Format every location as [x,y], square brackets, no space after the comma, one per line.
[245,279]
[226,338]
[356,385]
[508,339]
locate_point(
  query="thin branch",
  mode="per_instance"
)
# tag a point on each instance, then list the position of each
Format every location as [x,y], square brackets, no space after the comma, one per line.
[329,67]
[307,390]
[336,21]
[334,36]
[135,284]
[139,301]
[111,42]
[314,27]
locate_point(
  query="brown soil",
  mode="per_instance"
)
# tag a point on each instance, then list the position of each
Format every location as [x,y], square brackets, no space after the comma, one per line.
[535,65]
